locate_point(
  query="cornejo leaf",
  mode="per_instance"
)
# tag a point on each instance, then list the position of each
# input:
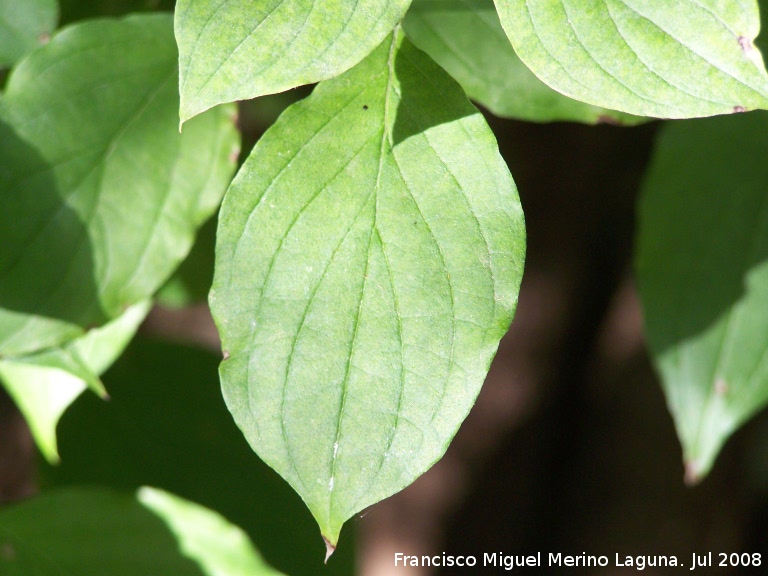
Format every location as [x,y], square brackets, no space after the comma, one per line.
[43,385]
[218,547]
[166,413]
[42,394]
[466,38]
[87,531]
[240,49]
[702,269]
[100,196]
[645,57]
[369,258]
[23,26]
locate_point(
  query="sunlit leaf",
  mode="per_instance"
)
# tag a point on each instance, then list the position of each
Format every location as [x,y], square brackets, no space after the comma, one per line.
[241,49]
[466,38]
[702,270]
[87,531]
[646,57]
[42,395]
[44,384]
[369,258]
[100,196]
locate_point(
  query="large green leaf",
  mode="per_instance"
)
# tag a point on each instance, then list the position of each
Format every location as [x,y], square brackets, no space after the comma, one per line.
[240,49]
[90,532]
[166,425]
[24,24]
[702,270]
[646,57]
[44,384]
[100,196]
[368,261]
[466,38]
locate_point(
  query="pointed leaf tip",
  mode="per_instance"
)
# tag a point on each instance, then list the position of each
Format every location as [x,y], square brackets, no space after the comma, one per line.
[693,473]
[329,549]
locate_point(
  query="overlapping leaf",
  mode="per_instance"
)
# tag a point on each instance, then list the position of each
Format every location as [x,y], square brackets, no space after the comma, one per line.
[240,49]
[646,57]
[466,39]
[369,258]
[44,384]
[85,531]
[703,276]
[99,194]
[24,25]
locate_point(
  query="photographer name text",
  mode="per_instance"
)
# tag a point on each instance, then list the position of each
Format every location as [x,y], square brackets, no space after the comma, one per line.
[639,562]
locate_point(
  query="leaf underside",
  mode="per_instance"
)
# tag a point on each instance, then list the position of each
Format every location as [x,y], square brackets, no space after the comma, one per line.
[369,258]
[702,268]
[645,57]
[240,49]
[100,196]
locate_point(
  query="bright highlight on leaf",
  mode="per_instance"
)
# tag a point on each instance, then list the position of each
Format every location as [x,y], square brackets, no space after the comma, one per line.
[369,258]
[97,187]
[82,531]
[702,269]
[241,49]
[466,38]
[646,57]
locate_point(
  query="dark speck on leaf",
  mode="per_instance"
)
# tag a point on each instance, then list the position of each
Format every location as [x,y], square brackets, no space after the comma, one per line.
[365,106]
[745,43]
[7,551]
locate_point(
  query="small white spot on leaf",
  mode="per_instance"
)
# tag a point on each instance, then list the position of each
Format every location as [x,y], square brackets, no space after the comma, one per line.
[721,387]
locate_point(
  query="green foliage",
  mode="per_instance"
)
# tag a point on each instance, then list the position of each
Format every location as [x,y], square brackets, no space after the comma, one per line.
[83,531]
[651,58]
[702,274]
[112,194]
[368,253]
[465,37]
[365,275]
[166,425]
[24,26]
[45,383]
[242,49]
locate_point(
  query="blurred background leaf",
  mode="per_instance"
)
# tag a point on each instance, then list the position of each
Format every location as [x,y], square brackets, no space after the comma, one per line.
[166,425]
[24,26]
[88,531]
[702,267]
